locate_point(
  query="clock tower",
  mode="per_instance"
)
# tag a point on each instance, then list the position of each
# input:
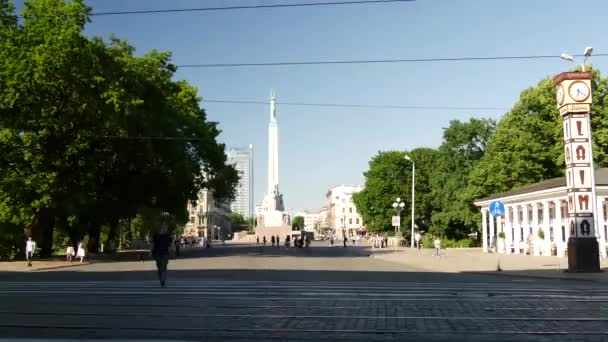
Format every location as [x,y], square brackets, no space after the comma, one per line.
[573,94]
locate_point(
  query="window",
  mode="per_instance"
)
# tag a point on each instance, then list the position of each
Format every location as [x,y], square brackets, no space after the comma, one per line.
[350,210]
[521,232]
[520,215]
[563,233]
[551,234]
[350,221]
[357,221]
[343,210]
[191,219]
[541,217]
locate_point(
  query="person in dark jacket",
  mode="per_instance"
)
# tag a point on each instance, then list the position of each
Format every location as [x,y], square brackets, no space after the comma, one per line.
[160,252]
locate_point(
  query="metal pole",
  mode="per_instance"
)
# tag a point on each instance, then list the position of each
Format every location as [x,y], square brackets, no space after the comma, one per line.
[251,162]
[413,201]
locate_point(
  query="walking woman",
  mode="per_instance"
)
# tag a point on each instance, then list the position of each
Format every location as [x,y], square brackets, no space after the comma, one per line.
[160,252]
[80,253]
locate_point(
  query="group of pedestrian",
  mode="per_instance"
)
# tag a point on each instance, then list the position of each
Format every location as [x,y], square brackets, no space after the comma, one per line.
[30,251]
[275,241]
[380,241]
[79,253]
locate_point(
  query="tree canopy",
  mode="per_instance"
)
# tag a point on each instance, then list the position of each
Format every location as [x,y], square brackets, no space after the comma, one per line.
[90,133]
[478,158]
[297,223]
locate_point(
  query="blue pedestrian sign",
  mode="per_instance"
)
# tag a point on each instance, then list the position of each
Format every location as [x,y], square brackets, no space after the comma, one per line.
[497,208]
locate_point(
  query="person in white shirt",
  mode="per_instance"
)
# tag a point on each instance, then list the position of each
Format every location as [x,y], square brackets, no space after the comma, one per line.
[417,237]
[30,248]
[69,252]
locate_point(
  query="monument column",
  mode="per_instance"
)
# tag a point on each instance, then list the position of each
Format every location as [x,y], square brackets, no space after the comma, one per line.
[573,90]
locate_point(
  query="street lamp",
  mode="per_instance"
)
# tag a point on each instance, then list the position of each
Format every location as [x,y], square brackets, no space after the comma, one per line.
[398,206]
[413,196]
[586,54]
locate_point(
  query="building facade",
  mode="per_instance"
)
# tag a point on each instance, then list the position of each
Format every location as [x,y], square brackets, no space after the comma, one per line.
[207,218]
[311,220]
[536,218]
[343,217]
[241,158]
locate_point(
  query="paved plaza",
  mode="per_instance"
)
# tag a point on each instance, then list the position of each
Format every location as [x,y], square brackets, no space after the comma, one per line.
[250,293]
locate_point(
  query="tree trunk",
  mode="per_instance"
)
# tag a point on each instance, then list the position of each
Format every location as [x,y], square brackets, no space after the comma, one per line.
[94,235]
[42,231]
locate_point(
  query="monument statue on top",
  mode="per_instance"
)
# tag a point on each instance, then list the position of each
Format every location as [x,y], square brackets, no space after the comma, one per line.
[273,220]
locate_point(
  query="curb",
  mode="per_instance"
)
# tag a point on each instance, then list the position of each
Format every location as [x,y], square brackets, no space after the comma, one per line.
[62,266]
[501,274]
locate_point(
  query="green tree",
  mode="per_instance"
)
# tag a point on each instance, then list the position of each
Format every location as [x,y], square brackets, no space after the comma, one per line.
[297,223]
[389,176]
[527,145]
[464,144]
[96,134]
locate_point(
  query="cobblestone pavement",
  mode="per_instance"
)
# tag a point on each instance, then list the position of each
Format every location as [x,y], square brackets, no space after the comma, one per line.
[369,302]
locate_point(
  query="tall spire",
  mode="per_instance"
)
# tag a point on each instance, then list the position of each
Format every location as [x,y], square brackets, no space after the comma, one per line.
[273,108]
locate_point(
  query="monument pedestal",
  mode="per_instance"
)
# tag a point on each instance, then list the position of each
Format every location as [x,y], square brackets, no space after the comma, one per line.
[273,223]
[583,255]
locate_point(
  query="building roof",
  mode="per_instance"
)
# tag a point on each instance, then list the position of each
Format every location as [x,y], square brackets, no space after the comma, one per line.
[601,178]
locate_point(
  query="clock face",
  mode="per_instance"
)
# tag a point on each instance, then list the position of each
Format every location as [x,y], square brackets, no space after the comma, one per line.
[560,94]
[579,91]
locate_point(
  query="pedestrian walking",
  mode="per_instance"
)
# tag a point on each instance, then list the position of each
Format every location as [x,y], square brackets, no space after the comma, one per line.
[30,249]
[331,240]
[418,237]
[69,252]
[287,241]
[272,240]
[177,245]
[437,245]
[264,240]
[160,252]
[257,240]
[345,239]
[80,252]
[278,239]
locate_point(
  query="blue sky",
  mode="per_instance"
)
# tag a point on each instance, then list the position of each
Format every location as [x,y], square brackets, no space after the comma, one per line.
[323,147]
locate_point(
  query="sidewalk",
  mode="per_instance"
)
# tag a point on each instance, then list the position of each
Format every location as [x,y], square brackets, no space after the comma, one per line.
[38,265]
[473,260]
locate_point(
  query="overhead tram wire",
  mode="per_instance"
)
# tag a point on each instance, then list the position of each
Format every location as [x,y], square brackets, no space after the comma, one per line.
[353,105]
[246,7]
[379,61]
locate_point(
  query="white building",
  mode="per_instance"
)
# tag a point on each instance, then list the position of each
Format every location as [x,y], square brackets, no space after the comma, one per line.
[311,220]
[241,158]
[207,218]
[540,206]
[343,217]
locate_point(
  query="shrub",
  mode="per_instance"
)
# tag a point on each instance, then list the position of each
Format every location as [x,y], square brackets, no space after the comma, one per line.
[501,235]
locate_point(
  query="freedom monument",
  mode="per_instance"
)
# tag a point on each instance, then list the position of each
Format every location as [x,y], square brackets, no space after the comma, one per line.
[272,220]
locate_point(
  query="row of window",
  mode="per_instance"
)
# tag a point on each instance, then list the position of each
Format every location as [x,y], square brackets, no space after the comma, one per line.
[520,214]
[350,221]
[523,237]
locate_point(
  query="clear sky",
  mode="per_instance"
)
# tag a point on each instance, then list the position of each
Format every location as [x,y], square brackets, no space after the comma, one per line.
[323,147]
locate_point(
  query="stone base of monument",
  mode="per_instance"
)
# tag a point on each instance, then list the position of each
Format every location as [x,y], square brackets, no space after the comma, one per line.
[268,232]
[583,255]
[273,223]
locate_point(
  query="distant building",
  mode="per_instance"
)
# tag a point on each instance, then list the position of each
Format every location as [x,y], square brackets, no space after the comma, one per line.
[241,158]
[311,220]
[343,217]
[207,218]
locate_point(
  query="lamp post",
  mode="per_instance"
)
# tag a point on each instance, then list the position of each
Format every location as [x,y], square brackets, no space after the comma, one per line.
[398,206]
[413,197]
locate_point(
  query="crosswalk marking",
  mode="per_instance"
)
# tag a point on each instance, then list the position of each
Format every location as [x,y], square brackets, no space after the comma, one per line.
[285,289]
